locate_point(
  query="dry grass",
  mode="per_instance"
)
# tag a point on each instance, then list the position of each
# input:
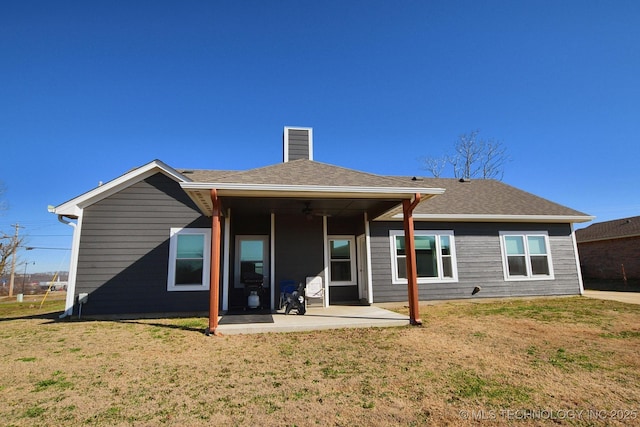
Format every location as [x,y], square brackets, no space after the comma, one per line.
[484,361]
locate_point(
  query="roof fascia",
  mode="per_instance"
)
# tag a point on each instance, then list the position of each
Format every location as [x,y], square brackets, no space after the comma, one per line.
[498,218]
[73,207]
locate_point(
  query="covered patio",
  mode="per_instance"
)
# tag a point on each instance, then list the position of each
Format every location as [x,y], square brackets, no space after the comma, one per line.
[297,208]
[316,318]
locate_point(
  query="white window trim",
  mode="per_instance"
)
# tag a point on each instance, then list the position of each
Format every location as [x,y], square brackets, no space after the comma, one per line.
[454,261]
[173,248]
[352,260]
[529,276]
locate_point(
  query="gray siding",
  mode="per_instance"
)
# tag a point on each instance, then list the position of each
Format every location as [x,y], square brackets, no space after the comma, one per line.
[299,248]
[124,249]
[479,263]
[299,144]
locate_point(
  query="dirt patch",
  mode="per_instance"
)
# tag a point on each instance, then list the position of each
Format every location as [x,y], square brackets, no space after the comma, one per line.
[570,361]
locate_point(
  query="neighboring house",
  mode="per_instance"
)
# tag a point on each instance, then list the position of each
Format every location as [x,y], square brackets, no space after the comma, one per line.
[610,250]
[147,241]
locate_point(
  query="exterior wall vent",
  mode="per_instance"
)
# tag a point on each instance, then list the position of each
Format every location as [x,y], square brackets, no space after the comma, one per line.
[298,143]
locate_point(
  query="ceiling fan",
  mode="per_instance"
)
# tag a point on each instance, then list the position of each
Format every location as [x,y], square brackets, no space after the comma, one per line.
[309,213]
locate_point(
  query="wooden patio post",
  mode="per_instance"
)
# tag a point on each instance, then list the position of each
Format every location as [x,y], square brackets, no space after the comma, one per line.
[214,277]
[412,272]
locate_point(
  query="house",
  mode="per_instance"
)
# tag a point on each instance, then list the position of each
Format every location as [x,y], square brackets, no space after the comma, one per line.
[159,239]
[610,250]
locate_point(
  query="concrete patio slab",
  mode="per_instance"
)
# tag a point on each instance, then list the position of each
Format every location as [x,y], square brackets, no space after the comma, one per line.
[628,297]
[316,318]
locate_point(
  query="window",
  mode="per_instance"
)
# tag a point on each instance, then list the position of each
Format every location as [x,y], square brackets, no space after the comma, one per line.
[526,255]
[189,258]
[342,261]
[435,256]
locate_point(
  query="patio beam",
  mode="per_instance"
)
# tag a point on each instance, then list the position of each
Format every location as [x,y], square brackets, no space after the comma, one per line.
[214,277]
[412,272]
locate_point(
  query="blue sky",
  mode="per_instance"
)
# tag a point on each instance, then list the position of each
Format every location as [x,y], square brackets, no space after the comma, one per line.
[89,90]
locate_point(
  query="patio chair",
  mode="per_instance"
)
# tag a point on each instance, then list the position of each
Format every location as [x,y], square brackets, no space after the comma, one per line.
[286,287]
[314,289]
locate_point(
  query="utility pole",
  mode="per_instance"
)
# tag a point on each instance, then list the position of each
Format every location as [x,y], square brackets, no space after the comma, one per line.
[14,245]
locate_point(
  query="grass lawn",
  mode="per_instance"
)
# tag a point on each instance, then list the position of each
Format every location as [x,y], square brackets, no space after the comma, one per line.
[567,361]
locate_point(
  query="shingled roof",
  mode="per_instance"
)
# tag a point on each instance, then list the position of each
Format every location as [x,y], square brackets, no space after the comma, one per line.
[615,229]
[470,200]
[488,197]
[303,172]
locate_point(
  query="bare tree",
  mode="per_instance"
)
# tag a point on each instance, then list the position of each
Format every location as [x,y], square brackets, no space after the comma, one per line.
[8,244]
[435,165]
[494,159]
[466,160]
[472,158]
[8,247]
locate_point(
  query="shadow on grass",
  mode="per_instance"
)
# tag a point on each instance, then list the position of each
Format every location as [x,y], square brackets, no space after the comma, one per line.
[52,315]
[183,321]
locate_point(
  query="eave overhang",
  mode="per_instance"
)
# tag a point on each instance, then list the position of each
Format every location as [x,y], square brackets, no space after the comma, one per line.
[497,218]
[200,192]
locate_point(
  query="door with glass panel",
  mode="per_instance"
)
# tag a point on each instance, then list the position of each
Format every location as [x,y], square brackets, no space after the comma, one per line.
[252,260]
[342,262]
[251,269]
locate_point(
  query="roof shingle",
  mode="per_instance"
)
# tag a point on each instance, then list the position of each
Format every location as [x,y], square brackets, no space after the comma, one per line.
[304,172]
[488,197]
[615,229]
[482,197]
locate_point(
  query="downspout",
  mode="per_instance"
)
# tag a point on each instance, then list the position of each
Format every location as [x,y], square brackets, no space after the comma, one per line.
[73,265]
[214,276]
[412,272]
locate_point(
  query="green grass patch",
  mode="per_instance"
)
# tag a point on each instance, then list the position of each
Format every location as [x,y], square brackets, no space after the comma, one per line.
[567,361]
[575,310]
[57,380]
[110,416]
[34,412]
[161,333]
[23,309]
[469,385]
[622,335]
[332,372]
[192,323]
